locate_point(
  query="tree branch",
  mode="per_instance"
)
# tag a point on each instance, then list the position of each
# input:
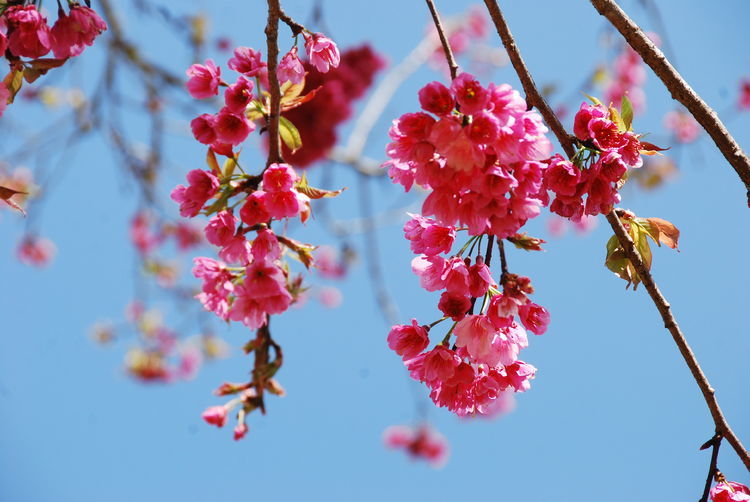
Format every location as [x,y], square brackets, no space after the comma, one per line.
[678,87]
[533,96]
[443,39]
[714,443]
[272,36]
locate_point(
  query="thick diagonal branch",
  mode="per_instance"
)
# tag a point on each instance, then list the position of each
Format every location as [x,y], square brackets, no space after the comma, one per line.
[533,96]
[272,38]
[678,87]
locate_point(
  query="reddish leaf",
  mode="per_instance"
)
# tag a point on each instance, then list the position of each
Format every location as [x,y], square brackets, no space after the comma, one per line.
[668,233]
[315,193]
[6,193]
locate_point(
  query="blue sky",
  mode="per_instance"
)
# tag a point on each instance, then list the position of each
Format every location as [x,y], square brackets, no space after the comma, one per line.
[612,415]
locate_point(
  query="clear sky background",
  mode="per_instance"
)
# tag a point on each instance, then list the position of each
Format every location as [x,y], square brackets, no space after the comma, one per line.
[612,415]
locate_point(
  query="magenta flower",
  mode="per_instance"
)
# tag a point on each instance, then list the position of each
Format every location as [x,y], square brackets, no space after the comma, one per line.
[28,33]
[247,61]
[436,98]
[729,491]
[204,128]
[36,251]
[202,186]
[239,95]
[279,178]
[534,317]
[215,415]
[471,96]
[408,341]
[240,430]
[220,229]
[266,247]
[421,443]
[232,128]
[254,210]
[204,80]
[322,51]
[454,306]
[290,68]
[72,32]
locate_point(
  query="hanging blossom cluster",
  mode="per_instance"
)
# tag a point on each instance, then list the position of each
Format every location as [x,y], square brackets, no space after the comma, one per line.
[24,32]
[420,443]
[481,156]
[251,279]
[607,148]
[628,77]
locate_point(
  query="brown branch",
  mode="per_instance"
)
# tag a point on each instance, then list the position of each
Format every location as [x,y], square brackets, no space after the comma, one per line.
[533,98]
[443,39]
[503,261]
[293,25]
[678,87]
[722,427]
[714,443]
[272,36]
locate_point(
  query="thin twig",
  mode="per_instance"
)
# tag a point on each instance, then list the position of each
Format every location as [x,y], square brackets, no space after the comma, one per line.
[293,25]
[678,87]
[714,443]
[722,427]
[272,36]
[503,261]
[443,39]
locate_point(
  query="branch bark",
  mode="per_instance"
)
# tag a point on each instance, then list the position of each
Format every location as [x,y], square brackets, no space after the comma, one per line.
[443,39]
[272,36]
[664,308]
[678,87]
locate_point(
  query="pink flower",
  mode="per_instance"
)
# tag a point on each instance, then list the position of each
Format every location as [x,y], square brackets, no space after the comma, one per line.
[217,285]
[247,61]
[202,186]
[232,128]
[266,246]
[408,341]
[322,51]
[518,375]
[254,211]
[562,176]
[28,33]
[190,362]
[454,306]
[439,365]
[683,126]
[204,80]
[476,333]
[236,250]
[729,491]
[279,178]
[36,251]
[290,68]
[436,98]
[480,278]
[427,236]
[456,276]
[140,233]
[585,114]
[220,229]
[282,204]
[240,430]
[534,317]
[430,271]
[74,31]
[330,297]
[471,96]
[3,44]
[204,128]
[188,235]
[421,443]
[215,415]
[238,95]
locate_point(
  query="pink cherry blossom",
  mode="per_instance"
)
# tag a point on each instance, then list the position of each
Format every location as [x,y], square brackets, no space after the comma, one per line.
[220,229]
[239,95]
[454,306]
[202,186]
[729,491]
[470,94]
[428,237]
[232,128]
[266,246]
[215,415]
[240,430]
[420,443]
[290,68]
[408,341]
[28,33]
[322,51]
[236,249]
[247,61]
[204,128]
[254,210]
[330,297]
[436,98]
[72,32]
[204,80]
[36,251]
[279,178]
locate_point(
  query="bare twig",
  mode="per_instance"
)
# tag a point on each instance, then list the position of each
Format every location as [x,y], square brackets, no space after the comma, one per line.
[443,39]
[678,87]
[714,443]
[272,36]
[503,261]
[722,426]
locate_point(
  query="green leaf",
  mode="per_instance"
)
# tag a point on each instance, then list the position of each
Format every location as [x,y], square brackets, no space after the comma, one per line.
[13,81]
[289,134]
[615,117]
[315,193]
[627,112]
[592,99]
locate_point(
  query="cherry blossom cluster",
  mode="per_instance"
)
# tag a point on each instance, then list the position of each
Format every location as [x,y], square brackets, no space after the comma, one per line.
[420,443]
[682,125]
[161,356]
[607,149]
[251,279]
[481,156]
[26,34]
[482,161]
[318,119]
[628,77]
